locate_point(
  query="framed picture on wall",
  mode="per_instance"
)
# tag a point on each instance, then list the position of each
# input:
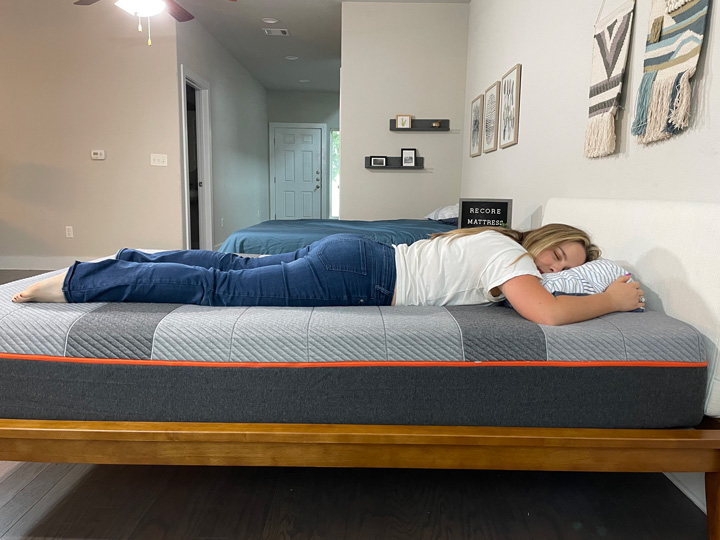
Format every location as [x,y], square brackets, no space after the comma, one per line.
[490,120]
[408,156]
[510,107]
[378,161]
[476,115]
[403,121]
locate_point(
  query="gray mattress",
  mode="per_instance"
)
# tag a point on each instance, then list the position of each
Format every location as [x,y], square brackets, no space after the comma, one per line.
[467,365]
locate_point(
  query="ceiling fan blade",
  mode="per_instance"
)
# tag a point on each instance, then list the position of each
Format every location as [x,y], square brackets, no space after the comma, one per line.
[177,11]
[85,2]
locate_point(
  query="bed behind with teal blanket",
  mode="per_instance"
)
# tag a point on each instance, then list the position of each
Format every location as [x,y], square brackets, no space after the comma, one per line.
[280,236]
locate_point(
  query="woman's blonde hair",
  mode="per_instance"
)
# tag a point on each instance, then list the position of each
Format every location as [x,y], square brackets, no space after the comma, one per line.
[536,240]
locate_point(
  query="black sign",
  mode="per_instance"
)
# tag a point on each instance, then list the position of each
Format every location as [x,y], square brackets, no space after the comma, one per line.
[485,213]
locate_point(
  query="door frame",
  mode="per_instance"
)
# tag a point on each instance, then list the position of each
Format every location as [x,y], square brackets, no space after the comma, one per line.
[204,157]
[324,148]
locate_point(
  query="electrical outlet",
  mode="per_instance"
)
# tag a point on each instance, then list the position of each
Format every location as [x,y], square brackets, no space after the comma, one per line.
[69,231]
[158,160]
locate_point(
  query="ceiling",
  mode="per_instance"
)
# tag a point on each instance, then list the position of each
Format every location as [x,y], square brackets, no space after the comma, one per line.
[314,37]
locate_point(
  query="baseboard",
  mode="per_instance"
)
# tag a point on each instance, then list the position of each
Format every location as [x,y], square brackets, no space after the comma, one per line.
[692,485]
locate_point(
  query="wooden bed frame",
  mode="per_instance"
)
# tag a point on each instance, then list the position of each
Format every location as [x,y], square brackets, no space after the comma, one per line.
[420,447]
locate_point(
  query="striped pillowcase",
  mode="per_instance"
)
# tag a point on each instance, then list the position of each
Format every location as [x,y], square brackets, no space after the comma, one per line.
[590,278]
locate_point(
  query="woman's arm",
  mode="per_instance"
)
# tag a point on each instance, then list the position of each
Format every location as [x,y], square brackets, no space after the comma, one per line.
[533,302]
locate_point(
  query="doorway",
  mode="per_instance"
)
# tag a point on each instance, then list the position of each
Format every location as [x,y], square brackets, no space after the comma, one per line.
[197,159]
[298,171]
[192,170]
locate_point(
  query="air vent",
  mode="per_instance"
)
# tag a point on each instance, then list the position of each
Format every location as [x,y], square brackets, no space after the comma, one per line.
[276,32]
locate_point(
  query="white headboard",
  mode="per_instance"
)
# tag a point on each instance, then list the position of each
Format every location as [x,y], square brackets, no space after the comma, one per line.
[672,248]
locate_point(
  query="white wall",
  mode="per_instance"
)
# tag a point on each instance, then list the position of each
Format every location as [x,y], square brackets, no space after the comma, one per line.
[239,126]
[548,161]
[400,58]
[77,79]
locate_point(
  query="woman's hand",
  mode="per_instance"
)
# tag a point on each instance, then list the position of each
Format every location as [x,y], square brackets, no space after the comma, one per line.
[533,302]
[625,296]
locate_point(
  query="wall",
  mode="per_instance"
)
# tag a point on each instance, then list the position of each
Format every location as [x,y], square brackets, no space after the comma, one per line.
[308,107]
[400,58]
[238,123]
[556,60]
[77,79]
[549,161]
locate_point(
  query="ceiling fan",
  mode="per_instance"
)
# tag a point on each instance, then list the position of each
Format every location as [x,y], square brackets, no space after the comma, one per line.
[176,10]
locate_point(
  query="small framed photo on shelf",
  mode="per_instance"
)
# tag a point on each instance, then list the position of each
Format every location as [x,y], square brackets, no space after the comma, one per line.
[403,121]
[510,107]
[378,161]
[490,123]
[476,117]
[408,157]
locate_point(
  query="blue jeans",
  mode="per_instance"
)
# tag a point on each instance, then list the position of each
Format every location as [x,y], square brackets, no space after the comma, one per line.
[339,270]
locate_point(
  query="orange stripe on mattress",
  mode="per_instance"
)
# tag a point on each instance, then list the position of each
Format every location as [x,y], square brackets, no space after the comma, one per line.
[534,363]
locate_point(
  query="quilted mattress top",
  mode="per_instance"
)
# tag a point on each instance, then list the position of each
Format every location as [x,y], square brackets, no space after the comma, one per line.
[231,335]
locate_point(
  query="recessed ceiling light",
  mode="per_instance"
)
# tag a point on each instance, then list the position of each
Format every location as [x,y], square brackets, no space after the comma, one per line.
[304,80]
[291,58]
[269,20]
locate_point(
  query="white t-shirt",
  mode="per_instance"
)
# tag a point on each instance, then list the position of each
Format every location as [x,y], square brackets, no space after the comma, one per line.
[463,271]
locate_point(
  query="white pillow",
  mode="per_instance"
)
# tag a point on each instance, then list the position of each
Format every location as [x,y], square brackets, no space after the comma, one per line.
[444,212]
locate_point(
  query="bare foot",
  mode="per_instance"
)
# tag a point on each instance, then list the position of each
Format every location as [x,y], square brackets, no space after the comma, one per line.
[47,290]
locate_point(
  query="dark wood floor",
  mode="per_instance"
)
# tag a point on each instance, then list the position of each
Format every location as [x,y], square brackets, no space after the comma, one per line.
[58,501]
[84,502]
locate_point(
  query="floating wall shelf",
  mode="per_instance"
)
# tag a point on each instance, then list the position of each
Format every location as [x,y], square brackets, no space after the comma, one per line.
[395,163]
[422,125]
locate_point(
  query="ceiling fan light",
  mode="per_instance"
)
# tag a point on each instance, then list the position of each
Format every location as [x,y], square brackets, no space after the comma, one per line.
[141,8]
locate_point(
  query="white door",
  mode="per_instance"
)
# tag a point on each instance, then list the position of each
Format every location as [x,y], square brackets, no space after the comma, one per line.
[297,158]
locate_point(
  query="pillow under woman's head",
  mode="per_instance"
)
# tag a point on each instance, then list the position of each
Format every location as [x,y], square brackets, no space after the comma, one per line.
[590,278]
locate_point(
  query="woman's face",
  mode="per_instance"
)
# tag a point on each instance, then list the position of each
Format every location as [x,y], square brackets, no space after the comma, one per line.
[561,257]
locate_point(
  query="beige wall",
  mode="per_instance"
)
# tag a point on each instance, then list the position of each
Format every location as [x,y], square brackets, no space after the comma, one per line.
[77,79]
[549,161]
[400,58]
[307,107]
[239,126]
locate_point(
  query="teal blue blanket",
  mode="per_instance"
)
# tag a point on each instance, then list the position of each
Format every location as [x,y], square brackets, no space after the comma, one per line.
[280,236]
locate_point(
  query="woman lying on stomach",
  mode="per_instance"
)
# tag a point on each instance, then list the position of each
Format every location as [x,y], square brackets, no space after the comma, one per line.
[461,267]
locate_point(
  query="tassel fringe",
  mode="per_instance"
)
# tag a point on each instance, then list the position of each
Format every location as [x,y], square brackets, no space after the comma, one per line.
[600,135]
[657,114]
[680,109]
[643,102]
